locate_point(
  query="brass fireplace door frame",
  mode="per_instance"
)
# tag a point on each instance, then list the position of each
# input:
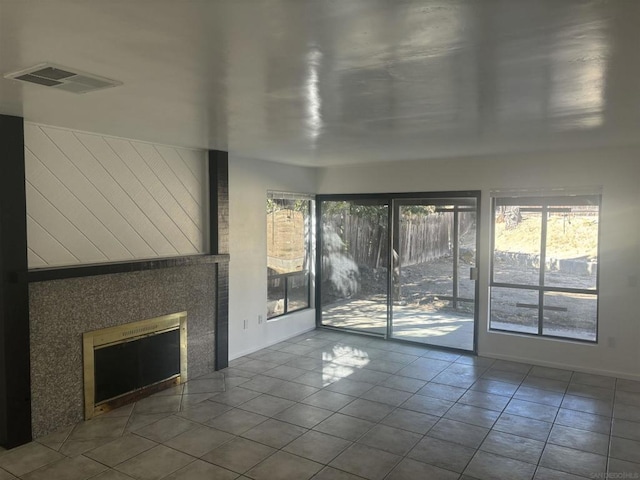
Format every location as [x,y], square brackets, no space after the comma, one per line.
[126,333]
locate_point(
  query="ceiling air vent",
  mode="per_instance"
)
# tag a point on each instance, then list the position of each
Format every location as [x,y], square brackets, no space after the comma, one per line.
[62,78]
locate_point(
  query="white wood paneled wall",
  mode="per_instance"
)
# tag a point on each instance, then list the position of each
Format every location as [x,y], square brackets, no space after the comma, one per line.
[96,199]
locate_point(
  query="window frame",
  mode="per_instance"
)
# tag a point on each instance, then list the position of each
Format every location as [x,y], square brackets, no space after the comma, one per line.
[309,260]
[546,202]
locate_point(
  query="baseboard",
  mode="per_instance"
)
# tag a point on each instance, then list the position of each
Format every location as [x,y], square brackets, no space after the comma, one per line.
[565,366]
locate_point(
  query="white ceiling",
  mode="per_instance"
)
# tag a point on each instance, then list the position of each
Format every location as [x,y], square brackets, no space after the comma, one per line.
[326,82]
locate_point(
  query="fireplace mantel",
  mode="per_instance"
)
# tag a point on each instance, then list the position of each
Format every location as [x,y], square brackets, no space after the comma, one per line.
[59,273]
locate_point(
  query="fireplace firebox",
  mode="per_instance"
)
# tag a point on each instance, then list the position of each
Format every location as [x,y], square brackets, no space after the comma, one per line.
[131,361]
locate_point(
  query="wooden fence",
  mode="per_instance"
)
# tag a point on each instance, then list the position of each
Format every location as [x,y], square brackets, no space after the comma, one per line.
[286,241]
[423,237]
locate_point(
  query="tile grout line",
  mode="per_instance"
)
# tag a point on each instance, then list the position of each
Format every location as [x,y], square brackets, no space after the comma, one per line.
[476,372]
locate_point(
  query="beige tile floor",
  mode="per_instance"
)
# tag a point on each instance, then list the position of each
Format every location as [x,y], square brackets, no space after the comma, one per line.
[329,405]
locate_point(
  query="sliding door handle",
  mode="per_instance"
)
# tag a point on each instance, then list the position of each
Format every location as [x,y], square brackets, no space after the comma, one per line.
[473,273]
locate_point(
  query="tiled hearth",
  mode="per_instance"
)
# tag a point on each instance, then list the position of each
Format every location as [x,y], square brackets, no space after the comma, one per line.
[336,406]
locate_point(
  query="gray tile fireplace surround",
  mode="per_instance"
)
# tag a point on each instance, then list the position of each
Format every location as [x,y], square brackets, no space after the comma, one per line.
[62,310]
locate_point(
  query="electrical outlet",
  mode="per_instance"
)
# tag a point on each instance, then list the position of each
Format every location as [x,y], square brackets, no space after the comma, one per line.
[259,319]
[246,323]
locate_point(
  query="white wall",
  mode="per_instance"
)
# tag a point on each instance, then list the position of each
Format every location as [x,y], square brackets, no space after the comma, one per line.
[616,171]
[93,198]
[249,181]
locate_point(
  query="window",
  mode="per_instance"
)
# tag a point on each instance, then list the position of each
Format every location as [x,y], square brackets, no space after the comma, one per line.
[544,272]
[288,253]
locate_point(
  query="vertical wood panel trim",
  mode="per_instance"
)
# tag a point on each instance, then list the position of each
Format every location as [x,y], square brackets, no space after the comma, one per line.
[219,244]
[15,377]
[219,201]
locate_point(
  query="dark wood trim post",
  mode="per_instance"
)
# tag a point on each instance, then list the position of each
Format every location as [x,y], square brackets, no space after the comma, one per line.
[15,375]
[219,245]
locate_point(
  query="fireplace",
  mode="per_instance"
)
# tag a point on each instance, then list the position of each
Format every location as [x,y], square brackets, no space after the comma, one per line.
[130,361]
[62,310]
[47,310]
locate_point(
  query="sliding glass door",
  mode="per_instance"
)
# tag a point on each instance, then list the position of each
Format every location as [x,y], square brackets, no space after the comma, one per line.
[434,271]
[354,261]
[400,266]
